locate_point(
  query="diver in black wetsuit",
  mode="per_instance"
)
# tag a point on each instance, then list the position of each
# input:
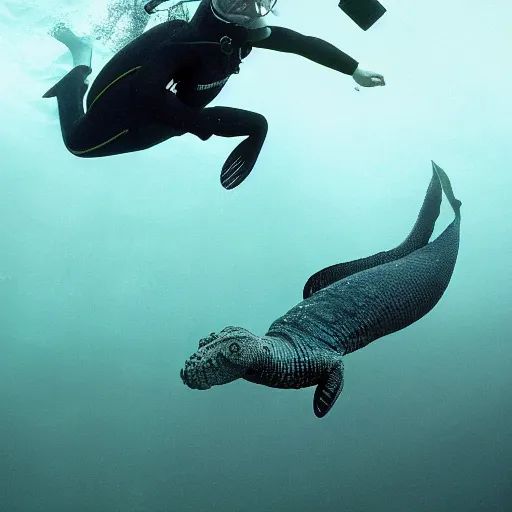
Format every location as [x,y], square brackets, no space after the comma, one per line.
[158,86]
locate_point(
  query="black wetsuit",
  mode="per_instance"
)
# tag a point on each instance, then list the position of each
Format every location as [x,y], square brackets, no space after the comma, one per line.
[158,86]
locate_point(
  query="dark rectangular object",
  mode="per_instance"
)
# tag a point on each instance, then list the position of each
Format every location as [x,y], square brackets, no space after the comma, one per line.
[363,12]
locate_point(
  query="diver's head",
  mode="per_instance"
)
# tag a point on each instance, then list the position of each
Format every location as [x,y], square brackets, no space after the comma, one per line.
[247,13]
[222,358]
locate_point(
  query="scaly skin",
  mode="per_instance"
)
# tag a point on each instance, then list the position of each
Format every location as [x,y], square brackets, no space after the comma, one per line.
[347,306]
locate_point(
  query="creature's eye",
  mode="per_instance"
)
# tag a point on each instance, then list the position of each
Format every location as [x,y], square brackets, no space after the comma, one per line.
[234,348]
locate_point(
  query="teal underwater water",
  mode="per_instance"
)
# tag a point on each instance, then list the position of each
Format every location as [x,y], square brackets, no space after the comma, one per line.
[111,270]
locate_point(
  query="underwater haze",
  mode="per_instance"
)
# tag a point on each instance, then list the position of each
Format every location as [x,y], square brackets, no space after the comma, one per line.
[112,269]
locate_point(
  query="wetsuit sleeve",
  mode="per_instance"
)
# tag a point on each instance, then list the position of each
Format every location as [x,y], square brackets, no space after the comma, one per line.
[312,48]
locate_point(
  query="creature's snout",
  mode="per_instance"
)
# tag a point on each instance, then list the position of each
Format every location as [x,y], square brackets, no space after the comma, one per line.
[192,379]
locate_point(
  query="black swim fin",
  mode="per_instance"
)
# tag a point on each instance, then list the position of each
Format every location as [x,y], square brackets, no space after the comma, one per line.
[241,162]
[77,74]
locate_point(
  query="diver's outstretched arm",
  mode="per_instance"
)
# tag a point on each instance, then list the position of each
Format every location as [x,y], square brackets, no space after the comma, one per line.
[317,50]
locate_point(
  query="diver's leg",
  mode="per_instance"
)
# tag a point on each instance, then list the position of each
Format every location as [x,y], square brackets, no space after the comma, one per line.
[71,89]
[70,92]
[204,123]
[234,122]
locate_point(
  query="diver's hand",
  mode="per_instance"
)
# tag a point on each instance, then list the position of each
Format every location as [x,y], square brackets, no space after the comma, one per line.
[368,78]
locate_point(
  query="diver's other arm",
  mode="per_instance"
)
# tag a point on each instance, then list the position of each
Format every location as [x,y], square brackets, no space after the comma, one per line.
[317,50]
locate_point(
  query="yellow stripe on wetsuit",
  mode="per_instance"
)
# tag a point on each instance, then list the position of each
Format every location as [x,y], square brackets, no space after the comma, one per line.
[111,84]
[124,132]
[120,134]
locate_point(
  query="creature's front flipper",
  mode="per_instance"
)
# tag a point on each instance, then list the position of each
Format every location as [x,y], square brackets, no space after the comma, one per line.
[328,390]
[417,238]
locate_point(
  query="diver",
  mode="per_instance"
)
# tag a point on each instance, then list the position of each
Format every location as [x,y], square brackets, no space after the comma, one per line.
[159,85]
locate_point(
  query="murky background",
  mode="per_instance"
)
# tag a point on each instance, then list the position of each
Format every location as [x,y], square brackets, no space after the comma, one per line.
[111,270]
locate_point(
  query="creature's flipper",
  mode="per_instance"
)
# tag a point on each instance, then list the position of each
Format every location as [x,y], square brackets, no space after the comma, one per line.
[78,74]
[417,238]
[328,390]
[240,162]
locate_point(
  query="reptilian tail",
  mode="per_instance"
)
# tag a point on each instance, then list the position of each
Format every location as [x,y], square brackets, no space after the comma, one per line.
[417,238]
[447,189]
[397,294]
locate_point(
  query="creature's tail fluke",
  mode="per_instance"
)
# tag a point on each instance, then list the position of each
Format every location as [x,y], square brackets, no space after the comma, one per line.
[417,238]
[447,188]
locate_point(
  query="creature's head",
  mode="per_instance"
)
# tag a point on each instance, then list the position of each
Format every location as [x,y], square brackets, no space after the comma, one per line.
[248,13]
[222,358]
